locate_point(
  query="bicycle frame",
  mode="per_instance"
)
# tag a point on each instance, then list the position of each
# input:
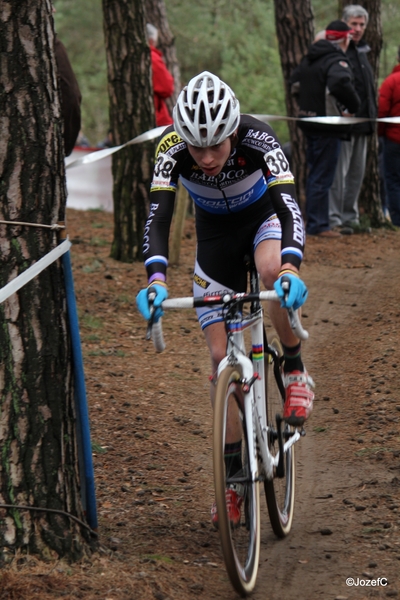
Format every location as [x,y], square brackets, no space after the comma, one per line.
[253,370]
[265,450]
[253,385]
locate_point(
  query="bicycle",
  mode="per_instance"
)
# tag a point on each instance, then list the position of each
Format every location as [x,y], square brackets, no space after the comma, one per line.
[251,387]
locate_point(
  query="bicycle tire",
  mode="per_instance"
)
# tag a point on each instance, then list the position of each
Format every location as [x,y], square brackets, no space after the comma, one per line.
[240,546]
[279,492]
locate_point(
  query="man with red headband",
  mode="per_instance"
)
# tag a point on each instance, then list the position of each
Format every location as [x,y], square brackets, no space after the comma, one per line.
[350,170]
[324,84]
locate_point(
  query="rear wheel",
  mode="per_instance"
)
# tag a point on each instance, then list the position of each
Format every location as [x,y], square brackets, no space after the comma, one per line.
[279,491]
[241,545]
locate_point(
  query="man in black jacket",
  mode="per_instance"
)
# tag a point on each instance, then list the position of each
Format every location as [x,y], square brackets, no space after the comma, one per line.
[345,190]
[70,97]
[324,83]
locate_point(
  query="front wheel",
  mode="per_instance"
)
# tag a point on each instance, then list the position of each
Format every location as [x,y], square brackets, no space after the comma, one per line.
[240,545]
[279,491]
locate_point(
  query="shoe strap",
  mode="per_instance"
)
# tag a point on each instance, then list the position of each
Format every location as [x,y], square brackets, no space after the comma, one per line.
[236,487]
[304,400]
[299,378]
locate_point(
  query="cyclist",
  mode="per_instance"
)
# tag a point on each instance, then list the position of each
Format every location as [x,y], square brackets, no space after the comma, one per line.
[239,179]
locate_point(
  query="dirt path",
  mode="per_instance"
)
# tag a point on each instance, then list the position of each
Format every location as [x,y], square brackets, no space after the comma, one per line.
[345,519]
[151,433]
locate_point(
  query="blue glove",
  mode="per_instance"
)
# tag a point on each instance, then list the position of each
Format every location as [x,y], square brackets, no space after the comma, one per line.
[297,291]
[142,302]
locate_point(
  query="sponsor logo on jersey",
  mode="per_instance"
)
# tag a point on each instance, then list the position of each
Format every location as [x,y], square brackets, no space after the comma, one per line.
[146,238]
[169,141]
[200,281]
[223,178]
[287,178]
[271,224]
[162,187]
[220,204]
[261,139]
[344,64]
[298,229]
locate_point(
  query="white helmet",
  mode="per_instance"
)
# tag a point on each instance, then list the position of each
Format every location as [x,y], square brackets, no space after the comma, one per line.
[206,112]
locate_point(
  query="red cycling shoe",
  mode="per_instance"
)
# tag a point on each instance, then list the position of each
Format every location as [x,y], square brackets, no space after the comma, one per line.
[233,505]
[299,397]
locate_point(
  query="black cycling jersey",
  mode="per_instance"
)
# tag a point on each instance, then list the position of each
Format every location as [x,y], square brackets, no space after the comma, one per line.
[254,183]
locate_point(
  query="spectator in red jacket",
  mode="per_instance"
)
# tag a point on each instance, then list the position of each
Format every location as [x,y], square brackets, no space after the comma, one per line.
[163,81]
[389,106]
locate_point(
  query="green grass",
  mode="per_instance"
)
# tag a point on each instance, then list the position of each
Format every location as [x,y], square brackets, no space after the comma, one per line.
[373,450]
[159,557]
[92,267]
[96,241]
[125,299]
[97,448]
[92,338]
[373,530]
[91,321]
[109,352]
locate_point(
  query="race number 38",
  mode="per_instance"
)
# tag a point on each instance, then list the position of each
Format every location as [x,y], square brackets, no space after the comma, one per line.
[277,162]
[163,167]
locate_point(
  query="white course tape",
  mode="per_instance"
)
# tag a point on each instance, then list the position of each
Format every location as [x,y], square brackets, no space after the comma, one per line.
[17,283]
[154,133]
[99,154]
[330,120]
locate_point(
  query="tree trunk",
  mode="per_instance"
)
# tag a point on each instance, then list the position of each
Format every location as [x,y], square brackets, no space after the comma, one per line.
[39,463]
[131,113]
[295,30]
[370,199]
[156,14]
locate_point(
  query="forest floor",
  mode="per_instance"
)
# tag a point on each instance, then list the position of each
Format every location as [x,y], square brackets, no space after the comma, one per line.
[151,433]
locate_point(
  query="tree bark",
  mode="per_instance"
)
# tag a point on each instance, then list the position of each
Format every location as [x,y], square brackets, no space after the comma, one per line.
[39,463]
[295,30]
[131,113]
[370,199]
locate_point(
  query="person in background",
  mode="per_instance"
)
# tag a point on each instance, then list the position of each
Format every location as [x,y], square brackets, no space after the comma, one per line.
[163,81]
[323,83]
[82,141]
[389,106]
[108,141]
[70,94]
[346,186]
[70,97]
[382,182]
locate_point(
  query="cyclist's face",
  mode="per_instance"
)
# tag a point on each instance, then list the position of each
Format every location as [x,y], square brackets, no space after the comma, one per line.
[211,159]
[358,24]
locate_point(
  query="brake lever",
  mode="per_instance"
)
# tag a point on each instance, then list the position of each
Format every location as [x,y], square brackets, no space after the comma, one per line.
[292,315]
[151,294]
[290,311]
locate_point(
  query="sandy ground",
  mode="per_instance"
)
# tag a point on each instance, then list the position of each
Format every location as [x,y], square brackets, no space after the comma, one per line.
[151,432]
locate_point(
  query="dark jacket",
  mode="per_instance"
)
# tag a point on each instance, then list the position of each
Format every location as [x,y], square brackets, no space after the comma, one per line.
[365,85]
[70,97]
[325,86]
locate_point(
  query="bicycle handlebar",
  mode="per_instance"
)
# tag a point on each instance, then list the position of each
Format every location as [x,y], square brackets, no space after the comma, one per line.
[155,329]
